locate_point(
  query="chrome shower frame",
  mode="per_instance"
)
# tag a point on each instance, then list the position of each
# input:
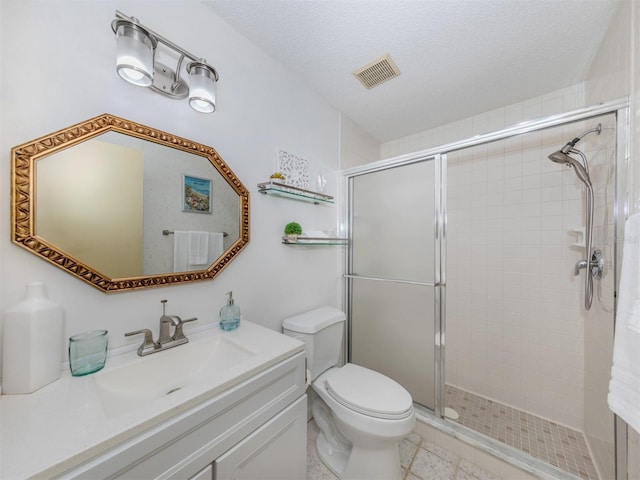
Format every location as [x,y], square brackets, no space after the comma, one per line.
[436,419]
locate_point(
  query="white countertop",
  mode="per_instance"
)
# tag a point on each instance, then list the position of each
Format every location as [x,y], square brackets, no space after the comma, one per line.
[63,424]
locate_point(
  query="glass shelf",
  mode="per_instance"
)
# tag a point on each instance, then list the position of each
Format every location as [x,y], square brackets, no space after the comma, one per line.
[315,241]
[294,193]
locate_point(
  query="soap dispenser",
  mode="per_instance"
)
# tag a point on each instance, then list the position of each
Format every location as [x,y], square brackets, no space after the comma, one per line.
[229,314]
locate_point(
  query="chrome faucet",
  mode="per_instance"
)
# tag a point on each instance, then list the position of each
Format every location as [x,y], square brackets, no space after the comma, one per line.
[166,322]
[166,339]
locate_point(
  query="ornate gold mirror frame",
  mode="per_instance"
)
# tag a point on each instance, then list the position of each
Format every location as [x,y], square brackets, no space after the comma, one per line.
[23,201]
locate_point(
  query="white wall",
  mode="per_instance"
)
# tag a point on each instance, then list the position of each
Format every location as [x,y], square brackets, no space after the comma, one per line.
[58,68]
[356,146]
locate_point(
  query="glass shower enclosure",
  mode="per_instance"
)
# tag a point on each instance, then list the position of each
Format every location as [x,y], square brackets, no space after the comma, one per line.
[478,239]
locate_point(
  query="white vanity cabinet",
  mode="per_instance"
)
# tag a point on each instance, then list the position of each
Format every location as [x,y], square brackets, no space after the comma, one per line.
[254,430]
[205,474]
[276,451]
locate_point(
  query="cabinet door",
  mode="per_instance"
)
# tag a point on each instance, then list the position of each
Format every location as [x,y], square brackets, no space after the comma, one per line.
[205,474]
[276,451]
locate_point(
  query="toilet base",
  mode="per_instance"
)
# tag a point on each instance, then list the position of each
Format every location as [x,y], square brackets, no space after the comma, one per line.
[334,460]
[360,464]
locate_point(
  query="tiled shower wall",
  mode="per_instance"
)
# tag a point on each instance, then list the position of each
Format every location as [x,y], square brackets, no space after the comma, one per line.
[515,321]
[514,324]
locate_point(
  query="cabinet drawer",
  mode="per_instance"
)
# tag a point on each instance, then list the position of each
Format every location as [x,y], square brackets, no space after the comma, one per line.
[276,451]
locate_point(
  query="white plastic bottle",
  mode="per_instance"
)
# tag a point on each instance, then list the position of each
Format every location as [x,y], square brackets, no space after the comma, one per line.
[31,342]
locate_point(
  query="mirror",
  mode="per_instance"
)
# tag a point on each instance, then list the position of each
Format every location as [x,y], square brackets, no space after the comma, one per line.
[124,206]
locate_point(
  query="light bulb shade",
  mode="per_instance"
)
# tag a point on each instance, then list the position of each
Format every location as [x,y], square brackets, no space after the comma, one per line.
[202,87]
[134,54]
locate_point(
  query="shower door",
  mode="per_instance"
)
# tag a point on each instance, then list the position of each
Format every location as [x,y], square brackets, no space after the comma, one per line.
[394,274]
[527,365]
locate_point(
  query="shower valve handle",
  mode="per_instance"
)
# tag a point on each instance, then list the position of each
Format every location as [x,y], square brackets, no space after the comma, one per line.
[596,265]
[579,266]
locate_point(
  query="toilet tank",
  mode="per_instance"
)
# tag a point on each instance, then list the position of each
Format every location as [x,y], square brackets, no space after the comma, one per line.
[322,332]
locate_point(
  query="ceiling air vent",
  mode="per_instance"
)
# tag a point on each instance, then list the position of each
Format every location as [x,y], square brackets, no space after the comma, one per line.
[377,72]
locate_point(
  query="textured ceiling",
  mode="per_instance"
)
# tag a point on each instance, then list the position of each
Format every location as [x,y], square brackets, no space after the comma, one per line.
[457,57]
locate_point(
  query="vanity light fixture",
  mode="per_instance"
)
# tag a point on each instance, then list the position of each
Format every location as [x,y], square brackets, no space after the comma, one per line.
[136,48]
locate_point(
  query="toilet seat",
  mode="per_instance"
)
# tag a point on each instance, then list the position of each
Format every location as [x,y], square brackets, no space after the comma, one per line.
[368,392]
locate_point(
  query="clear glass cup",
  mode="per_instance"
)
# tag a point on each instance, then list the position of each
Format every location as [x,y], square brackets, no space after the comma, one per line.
[87,352]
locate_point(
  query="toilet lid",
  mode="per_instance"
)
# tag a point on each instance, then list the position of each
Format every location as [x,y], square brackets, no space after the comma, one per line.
[369,392]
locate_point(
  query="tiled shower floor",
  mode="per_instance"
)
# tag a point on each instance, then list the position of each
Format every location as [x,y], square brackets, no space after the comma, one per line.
[552,443]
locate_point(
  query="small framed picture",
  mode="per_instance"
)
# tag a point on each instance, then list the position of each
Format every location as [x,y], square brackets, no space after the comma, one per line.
[196,194]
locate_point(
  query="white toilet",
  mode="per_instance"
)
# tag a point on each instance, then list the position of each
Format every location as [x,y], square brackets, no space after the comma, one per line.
[362,414]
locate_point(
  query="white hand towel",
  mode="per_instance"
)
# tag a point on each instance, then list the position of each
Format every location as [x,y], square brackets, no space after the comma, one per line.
[182,255]
[198,248]
[180,251]
[216,245]
[624,387]
[629,298]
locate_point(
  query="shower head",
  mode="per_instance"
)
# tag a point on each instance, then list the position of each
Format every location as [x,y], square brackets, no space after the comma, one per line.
[561,157]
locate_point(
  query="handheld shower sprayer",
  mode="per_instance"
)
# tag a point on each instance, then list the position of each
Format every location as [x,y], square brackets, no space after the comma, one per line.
[563,158]
[593,263]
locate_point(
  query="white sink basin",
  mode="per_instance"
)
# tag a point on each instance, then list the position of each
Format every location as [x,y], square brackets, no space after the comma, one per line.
[148,378]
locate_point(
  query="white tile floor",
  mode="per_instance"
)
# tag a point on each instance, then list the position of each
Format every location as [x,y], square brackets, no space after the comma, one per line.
[420,460]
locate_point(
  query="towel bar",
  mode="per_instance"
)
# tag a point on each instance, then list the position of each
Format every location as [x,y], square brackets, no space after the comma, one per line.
[170,232]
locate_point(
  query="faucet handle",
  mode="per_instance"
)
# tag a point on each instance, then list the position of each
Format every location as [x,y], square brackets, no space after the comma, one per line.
[148,345]
[179,334]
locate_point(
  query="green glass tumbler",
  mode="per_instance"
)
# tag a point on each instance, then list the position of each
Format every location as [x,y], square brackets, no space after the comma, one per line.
[87,352]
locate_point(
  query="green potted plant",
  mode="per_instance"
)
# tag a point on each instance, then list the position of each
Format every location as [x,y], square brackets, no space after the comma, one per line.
[277,177]
[292,230]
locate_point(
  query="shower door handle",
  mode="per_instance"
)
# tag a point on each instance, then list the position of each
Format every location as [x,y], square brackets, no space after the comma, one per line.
[579,266]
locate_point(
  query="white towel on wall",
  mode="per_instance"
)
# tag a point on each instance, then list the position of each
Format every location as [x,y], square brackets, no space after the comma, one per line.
[216,245]
[195,250]
[198,248]
[624,387]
